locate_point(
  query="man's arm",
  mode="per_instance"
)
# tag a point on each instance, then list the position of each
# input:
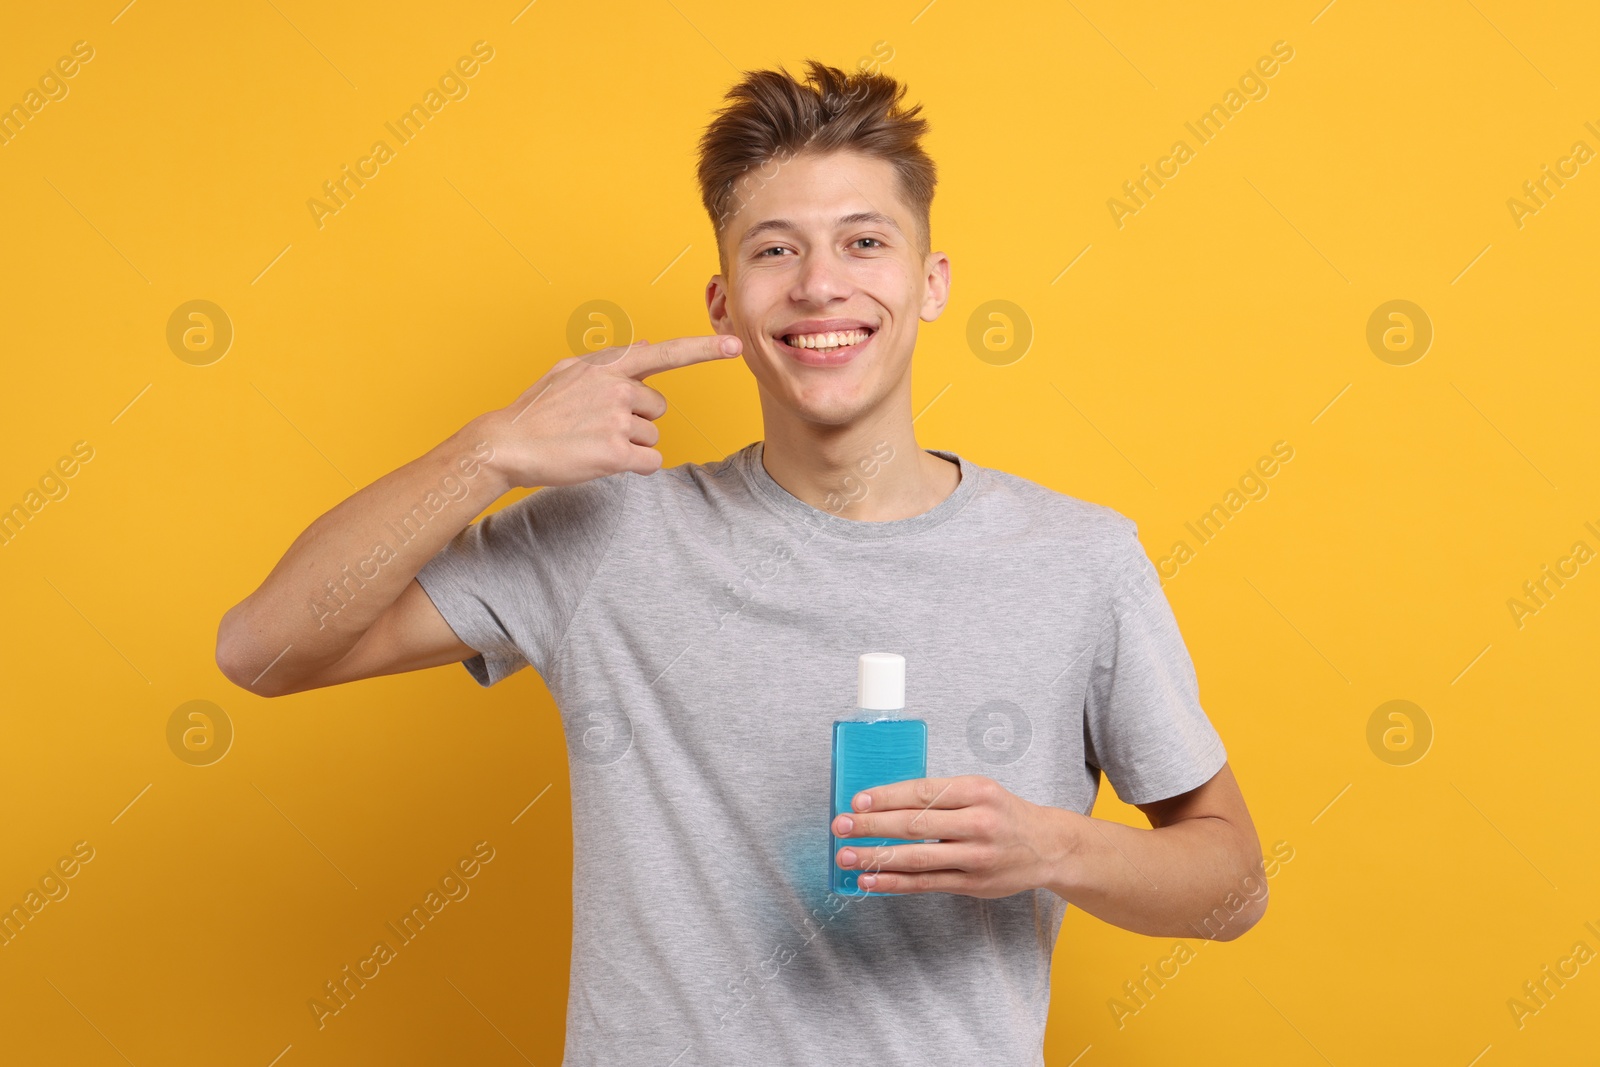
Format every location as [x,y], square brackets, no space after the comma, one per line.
[1197,872]
[332,610]
[336,609]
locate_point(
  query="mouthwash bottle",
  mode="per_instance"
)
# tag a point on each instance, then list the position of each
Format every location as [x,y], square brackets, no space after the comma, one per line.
[877,746]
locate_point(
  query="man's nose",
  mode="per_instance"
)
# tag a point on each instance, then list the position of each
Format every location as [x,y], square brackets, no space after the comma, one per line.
[822,278]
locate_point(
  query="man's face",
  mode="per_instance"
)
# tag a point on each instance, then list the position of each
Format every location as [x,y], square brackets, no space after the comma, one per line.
[826,244]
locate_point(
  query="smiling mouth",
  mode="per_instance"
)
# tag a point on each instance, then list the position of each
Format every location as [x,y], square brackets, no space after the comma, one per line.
[824,343]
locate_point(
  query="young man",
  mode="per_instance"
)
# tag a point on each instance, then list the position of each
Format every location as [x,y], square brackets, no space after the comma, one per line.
[699,628]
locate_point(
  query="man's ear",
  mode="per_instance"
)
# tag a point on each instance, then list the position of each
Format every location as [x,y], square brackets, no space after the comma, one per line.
[717,304]
[936,292]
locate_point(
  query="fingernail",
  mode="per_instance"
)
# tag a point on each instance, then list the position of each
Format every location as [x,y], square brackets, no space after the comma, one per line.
[867,881]
[730,346]
[847,858]
[846,824]
[863,801]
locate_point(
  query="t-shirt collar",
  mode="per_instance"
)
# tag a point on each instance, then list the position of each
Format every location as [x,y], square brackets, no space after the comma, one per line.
[793,509]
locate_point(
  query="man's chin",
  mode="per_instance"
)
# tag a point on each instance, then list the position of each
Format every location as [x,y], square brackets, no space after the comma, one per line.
[833,407]
[829,399]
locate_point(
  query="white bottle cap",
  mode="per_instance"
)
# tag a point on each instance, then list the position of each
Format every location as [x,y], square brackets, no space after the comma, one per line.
[882,682]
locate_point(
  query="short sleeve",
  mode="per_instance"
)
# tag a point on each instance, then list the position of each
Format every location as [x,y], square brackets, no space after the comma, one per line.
[1143,724]
[510,583]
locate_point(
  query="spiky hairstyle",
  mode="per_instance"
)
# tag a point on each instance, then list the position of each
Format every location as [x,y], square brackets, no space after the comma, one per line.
[770,118]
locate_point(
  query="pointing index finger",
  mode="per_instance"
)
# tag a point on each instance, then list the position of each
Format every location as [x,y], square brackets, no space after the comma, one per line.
[641,361]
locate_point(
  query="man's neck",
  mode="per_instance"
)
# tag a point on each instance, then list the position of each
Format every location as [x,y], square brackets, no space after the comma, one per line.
[869,473]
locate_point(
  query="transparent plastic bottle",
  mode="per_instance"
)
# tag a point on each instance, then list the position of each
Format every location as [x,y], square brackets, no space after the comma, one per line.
[878,746]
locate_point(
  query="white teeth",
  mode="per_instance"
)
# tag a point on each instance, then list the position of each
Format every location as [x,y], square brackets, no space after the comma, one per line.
[835,339]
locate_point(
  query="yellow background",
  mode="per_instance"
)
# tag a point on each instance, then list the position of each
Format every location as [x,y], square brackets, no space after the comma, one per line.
[1223,317]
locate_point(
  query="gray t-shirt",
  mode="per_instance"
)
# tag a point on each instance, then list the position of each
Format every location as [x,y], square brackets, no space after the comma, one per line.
[699,628]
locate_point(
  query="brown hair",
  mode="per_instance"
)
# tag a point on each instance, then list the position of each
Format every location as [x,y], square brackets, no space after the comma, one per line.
[770,118]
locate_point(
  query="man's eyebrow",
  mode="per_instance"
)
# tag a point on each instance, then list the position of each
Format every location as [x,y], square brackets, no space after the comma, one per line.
[858,218]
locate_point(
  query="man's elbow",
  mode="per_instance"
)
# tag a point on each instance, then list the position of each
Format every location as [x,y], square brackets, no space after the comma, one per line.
[1247,917]
[1255,891]
[1243,901]
[238,661]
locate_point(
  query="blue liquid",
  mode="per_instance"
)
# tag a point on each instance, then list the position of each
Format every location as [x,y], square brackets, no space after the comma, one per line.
[865,755]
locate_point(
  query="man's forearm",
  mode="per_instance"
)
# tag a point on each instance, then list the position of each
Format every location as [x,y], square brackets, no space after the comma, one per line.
[349,565]
[1192,878]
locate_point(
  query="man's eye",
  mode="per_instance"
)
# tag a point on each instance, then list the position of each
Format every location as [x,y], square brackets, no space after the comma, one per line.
[874,240]
[774,248]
